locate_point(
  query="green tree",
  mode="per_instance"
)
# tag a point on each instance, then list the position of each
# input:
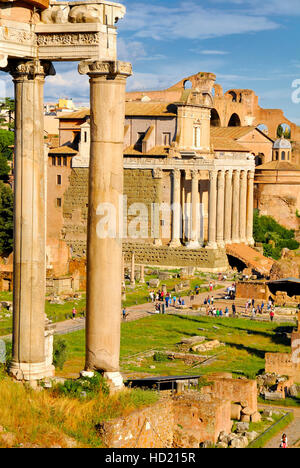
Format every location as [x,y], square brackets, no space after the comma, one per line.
[273,236]
[6,219]
[7,139]
[8,105]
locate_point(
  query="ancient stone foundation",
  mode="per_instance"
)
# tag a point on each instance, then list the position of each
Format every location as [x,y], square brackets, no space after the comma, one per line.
[205,260]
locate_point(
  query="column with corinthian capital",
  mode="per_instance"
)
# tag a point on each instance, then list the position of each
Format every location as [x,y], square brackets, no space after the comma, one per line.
[194,234]
[104,246]
[236,207]
[228,207]
[250,202]
[243,206]
[212,210]
[29,277]
[176,209]
[220,209]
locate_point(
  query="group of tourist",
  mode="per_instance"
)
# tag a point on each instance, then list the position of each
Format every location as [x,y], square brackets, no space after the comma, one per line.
[258,309]
[216,311]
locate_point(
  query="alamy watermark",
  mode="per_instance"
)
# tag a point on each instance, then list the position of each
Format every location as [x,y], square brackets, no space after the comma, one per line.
[150,221]
[296,92]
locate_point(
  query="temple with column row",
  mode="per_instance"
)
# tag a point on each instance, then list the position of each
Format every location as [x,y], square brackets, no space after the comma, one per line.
[172,158]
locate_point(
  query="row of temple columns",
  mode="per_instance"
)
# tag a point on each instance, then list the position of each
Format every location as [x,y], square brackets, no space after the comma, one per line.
[230,217]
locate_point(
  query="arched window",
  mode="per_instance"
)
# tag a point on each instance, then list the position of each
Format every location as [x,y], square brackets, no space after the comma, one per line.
[283,156]
[188,84]
[234,121]
[234,96]
[215,119]
[197,137]
[277,155]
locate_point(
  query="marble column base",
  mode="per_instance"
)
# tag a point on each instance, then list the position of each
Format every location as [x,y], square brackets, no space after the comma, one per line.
[212,246]
[193,245]
[175,243]
[33,371]
[114,381]
[251,241]
[220,244]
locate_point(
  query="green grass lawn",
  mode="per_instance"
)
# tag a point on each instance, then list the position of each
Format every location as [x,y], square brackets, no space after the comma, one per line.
[246,344]
[55,312]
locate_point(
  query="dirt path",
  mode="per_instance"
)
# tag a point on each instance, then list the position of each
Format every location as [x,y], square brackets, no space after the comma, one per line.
[145,310]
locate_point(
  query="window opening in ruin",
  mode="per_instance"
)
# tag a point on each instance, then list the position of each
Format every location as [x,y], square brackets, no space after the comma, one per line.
[197,137]
[58,202]
[167,139]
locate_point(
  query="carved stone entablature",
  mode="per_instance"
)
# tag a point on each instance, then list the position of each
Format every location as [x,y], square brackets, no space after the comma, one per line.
[89,26]
[68,39]
[112,68]
[157,173]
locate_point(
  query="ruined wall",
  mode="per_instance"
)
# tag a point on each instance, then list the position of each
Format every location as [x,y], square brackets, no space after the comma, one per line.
[281,201]
[249,289]
[287,363]
[185,421]
[196,420]
[234,390]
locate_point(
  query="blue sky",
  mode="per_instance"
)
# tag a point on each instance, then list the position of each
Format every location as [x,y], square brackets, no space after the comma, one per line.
[246,43]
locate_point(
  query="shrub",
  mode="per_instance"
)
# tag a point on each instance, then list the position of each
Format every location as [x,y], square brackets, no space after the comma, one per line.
[60,353]
[83,388]
[160,357]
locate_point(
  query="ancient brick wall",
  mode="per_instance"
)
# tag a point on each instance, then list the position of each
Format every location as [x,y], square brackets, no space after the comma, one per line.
[196,420]
[234,390]
[281,364]
[146,428]
[256,289]
[185,421]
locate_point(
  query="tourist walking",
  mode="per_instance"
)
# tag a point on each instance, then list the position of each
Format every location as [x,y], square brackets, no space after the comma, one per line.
[272,314]
[284,441]
[74,313]
[233,310]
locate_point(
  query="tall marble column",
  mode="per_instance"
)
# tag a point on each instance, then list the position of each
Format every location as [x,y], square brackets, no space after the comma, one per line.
[220,209]
[132,270]
[142,274]
[243,206]
[236,207]
[29,276]
[250,202]
[176,209]
[104,251]
[194,235]
[156,229]
[212,215]
[228,207]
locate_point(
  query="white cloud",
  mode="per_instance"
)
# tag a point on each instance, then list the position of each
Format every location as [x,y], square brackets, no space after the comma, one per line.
[190,20]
